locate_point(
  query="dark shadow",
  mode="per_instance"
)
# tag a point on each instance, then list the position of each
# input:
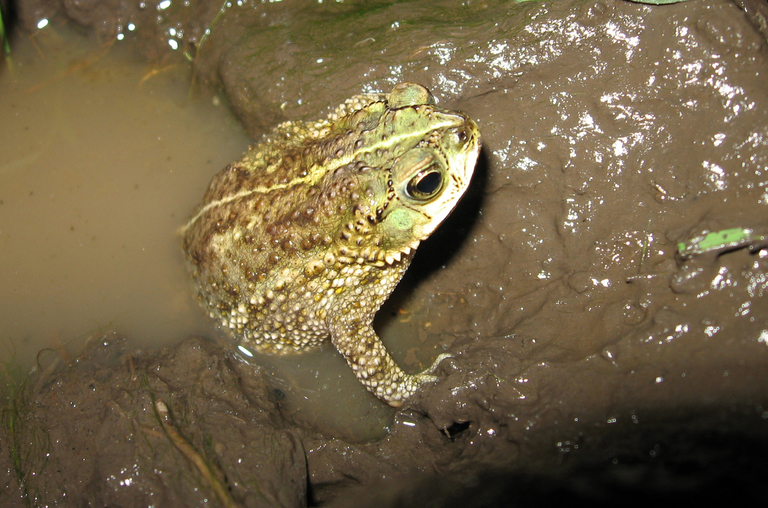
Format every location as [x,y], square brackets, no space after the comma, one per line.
[698,459]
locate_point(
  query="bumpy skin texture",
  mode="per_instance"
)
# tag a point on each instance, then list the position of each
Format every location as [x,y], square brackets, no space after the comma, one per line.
[305,237]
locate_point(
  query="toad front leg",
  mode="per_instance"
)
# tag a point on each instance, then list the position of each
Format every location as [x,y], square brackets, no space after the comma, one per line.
[356,340]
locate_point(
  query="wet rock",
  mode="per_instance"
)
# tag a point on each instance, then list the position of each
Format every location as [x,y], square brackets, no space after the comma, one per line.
[113,428]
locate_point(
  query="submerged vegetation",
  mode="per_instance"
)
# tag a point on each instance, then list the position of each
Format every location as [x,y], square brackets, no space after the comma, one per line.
[4,36]
[20,442]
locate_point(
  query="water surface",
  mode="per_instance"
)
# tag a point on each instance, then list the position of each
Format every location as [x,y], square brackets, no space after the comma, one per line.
[103,157]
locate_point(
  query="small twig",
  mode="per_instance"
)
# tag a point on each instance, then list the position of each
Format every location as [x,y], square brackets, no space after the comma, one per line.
[211,475]
[155,72]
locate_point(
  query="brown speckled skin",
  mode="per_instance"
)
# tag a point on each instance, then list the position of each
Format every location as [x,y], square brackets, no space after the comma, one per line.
[307,235]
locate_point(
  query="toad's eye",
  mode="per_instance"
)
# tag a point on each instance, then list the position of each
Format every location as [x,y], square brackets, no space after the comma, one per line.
[426,184]
[421,175]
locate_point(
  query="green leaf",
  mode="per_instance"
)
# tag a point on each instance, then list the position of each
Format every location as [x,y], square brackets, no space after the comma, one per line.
[719,241]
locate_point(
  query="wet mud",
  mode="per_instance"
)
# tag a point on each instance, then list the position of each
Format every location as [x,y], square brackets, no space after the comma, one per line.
[601,347]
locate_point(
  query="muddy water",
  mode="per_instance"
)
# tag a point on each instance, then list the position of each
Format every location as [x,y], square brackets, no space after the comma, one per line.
[103,156]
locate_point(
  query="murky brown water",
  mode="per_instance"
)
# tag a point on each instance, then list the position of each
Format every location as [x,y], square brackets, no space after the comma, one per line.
[103,157]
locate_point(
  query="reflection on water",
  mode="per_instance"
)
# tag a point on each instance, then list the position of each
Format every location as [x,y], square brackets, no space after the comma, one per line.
[103,157]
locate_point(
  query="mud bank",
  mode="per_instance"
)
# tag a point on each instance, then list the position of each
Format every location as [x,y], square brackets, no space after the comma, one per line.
[593,358]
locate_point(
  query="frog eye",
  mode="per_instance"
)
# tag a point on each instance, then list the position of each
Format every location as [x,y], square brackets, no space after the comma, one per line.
[426,184]
[421,175]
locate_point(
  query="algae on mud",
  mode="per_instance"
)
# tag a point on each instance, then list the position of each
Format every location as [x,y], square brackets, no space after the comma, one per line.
[584,352]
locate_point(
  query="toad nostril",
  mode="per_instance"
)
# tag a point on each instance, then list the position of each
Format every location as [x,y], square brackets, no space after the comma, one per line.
[461,136]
